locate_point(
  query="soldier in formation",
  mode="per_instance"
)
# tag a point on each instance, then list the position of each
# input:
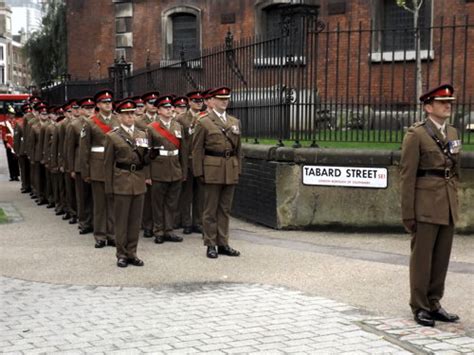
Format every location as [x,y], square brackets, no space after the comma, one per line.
[152,161]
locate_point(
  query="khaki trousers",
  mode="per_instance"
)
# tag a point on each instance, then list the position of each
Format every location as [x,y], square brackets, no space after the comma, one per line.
[190,202]
[430,252]
[24,171]
[84,202]
[71,201]
[147,215]
[127,214]
[165,196]
[215,217]
[103,212]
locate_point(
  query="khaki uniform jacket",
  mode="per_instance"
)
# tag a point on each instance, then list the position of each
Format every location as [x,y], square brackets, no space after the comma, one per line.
[143,121]
[73,138]
[54,158]
[30,138]
[47,142]
[121,147]
[428,199]
[62,161]
[28,121]
[36,141]
[168,168]
[93,138]
[18,137]
[188,120]
[210,134]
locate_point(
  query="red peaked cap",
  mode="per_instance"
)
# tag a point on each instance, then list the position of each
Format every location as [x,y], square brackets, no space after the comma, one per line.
[41,107]
[181,101]
[104,96]
[150,97]
[220,93]
[52,109]
[34,99]
[194,95]
[443,92]
[165,100]
[138,100]
[86,102]
[127,105]
[25,108]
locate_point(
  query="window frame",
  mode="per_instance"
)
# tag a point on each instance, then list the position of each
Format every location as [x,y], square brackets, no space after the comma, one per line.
[167,32]
[377,55]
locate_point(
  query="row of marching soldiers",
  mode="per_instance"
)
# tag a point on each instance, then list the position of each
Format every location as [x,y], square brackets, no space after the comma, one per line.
[152,162]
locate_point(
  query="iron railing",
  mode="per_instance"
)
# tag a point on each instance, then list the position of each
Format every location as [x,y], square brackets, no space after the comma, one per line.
[336,83]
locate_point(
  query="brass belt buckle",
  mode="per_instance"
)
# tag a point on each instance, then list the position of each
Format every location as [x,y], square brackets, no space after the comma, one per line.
[227,154]
[447,173]
[133,167]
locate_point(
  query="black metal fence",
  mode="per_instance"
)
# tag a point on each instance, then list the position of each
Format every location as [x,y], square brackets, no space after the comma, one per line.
[321,82]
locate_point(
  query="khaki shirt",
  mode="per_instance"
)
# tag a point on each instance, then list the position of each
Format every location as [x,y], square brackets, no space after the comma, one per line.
[210,135]
[121,147]
[428,199]
[168,168]
[92,148]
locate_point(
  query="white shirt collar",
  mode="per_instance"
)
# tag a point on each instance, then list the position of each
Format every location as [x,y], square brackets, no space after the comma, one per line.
[222,116]
[166,124]
[128,129]
[106,118]
[440,127]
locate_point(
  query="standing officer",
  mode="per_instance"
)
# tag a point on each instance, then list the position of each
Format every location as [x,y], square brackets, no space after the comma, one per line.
[168,169]
[217,161]
[191,197]
[91,156]
[82,189]
[429,179]
[18,145]
[125,177]
[150,115]
[140,110]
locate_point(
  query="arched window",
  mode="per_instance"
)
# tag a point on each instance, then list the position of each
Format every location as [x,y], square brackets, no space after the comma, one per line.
[181,31]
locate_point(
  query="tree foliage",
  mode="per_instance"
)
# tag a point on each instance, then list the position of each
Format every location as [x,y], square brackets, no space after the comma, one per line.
[46,49]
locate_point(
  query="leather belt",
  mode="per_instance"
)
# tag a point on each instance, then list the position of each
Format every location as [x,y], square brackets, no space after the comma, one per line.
[224,154]
[446,173]
[129,167]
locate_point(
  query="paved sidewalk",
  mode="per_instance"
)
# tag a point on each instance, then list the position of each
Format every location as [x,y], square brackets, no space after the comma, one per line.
[210,318]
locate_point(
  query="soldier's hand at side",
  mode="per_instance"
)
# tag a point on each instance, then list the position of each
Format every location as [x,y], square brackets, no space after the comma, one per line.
[88,180]
[148,181]
[73,175]
[410,225]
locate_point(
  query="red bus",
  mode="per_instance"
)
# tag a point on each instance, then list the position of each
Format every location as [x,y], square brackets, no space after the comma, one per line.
[11,100]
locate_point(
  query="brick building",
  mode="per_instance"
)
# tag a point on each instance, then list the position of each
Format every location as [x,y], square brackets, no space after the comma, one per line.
[368,45]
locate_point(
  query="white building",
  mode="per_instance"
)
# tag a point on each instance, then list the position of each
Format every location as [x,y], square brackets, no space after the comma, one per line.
[26,16]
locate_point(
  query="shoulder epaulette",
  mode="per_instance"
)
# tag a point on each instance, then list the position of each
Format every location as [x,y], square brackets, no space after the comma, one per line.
[418,124]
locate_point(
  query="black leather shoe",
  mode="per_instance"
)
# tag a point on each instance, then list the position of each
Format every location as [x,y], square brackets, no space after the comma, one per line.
[121,262]
[211,252]
[159,239]
[24,191]
[187,230]
[60,213]
[42,202]
[136,262]
[100,244]
[197,229]
[50,205]
[227,250]
[444,316]
[147,233]
[86,230]
[66,216]
[172,238]
[111,243]
[424,318]
[73,220]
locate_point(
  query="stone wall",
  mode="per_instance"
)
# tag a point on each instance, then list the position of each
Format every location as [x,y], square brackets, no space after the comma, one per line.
[271,191]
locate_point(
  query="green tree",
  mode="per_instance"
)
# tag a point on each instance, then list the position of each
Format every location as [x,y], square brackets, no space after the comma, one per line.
[46,49]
